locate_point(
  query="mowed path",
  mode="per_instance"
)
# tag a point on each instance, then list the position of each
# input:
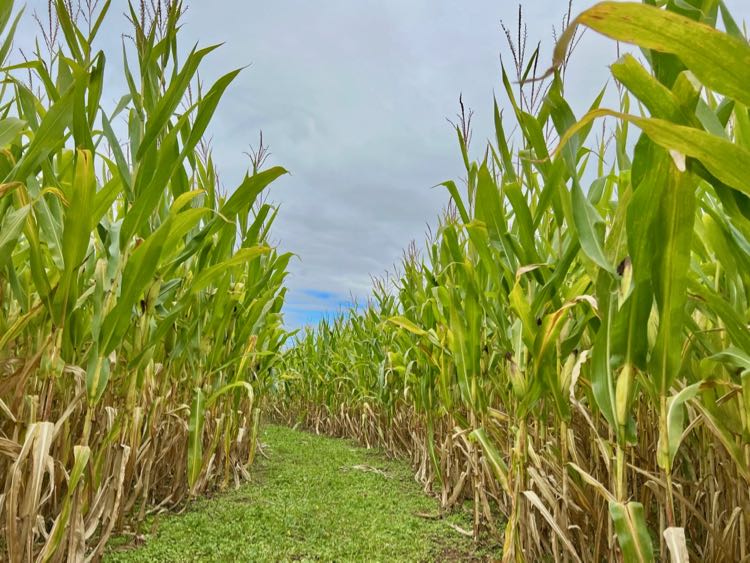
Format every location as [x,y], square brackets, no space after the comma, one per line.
[313,499]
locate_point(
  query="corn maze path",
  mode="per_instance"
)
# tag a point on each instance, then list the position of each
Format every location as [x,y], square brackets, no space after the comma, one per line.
[311,498]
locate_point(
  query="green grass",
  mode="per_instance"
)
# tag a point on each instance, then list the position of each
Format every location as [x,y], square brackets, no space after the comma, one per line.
[314,499]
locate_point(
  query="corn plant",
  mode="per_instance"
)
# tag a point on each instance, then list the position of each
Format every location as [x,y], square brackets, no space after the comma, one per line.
[570,351]
[140,308]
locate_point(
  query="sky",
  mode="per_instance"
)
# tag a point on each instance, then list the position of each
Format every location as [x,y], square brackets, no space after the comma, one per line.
[353,99]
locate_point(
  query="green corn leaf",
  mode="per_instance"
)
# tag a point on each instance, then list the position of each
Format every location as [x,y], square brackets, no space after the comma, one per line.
[114,144]
[183,200]
[632,533]
[734,357]
[246,193]
[158,335]
[48,137]
[242,257]
[729,23]
[520,306]
[216,395]
[105,197]
[456,196]
[68,28]
[590,227]
[183,223]
[6,9]
[602,376]
[148,196]
[10,129]
[728,161]
[195,438]
[658,99]
[523,224]
[502,144]
[97,375]
[78,223]
[12,226]
[675,425]
[406,324]
[629,341]
[673,227]
[498,465]
[734,322]
[488,207]
[722,62]
[8,41]
[171,99]
[138,274]
[82,130]
[97,24]
[546,360]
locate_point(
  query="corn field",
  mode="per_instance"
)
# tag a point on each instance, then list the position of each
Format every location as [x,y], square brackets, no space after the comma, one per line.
[568,354]
[140,307]
[570,351]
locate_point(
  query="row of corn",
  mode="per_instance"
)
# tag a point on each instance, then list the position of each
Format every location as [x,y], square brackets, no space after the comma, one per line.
[140,307]
[570,352]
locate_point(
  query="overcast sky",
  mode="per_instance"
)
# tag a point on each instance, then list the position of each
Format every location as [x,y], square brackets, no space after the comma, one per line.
[352,96]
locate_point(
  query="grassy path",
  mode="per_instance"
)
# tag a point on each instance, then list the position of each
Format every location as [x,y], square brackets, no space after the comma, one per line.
[314,499]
